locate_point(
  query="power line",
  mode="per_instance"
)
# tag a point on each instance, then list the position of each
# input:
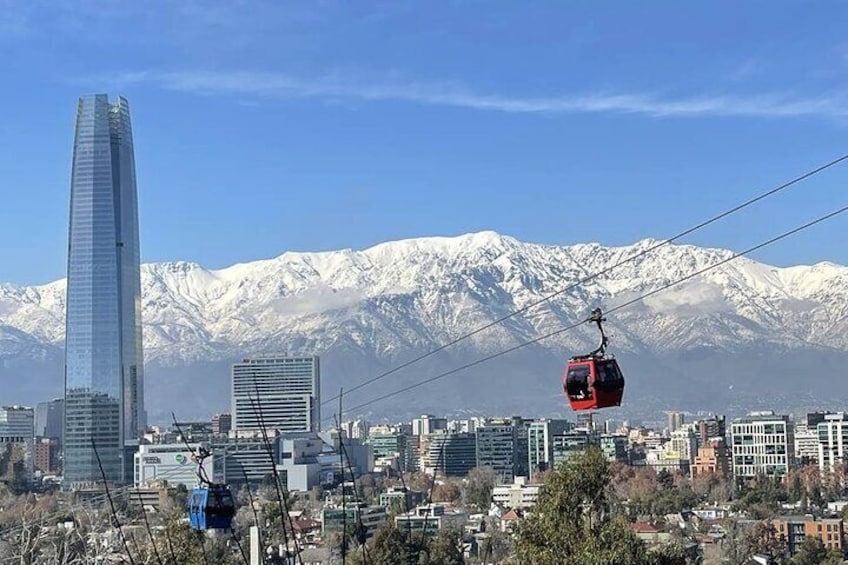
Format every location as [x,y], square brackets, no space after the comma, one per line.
[482,360]
[604,271]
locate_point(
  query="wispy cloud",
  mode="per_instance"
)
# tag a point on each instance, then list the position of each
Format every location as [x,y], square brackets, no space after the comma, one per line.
[279,85]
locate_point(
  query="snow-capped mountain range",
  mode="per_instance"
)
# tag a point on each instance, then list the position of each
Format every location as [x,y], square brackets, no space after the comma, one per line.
[366,311]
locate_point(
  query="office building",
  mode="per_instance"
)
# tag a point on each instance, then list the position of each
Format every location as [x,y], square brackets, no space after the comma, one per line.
[496,449]
[245,460]
[16,424]
[502,446]
[104,383]
[357,429]
[431,518]
[171,463]
[674,420]
[806,446]
[614,447]
[762,443]
[427,424]
[451,455]
[832,434]
[221,424]
[585,420]
[299,464]
[336,518]
[709,428]
[540,434]
[17,431]
[520,495]
[398,499]
[684,443]
[569,444]
[45,455]
[795,530]
[280,391]
[391,450]
[813,419]
[49,419]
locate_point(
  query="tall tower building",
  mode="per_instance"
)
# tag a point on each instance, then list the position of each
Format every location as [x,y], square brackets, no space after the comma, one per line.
[674,420]
[282,391]
[104,384]
[50,418]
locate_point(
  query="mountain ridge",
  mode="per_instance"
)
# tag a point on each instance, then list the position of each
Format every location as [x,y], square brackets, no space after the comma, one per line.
[370,309]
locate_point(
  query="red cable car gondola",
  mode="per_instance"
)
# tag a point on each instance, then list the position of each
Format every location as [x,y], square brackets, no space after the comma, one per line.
[593,380]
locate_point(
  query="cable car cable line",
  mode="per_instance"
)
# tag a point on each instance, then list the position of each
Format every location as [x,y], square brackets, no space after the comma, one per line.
[652,248]
[338,418]
[664,287]
[115,521]
[250,497]
[147,527]
[439,463]
[282,497]
[244,558]
[343,451]
[200,476]
[203,515]
[406,495]
[203,478]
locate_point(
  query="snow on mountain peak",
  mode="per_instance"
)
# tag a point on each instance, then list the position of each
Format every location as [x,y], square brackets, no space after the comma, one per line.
[419,293]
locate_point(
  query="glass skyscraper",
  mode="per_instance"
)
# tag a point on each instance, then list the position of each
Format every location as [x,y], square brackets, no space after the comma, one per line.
[104,393]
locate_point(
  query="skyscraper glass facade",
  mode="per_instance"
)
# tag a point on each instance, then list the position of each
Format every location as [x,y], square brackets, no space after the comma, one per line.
[103,358]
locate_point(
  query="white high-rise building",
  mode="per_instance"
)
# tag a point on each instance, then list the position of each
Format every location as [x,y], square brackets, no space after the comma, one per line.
[427,424]
[762,443]
[285,391]
[684,443]
[833,441]
[806,446]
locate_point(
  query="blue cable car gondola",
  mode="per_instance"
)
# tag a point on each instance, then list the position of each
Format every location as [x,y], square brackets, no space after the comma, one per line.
[210,506]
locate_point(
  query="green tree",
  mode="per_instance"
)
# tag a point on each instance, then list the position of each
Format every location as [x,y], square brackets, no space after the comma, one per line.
[796,488]
[572,522]
[442,549]
[181,545]
[760,537]
[478,488]
[388,546]
[668,554]
[446,492]
[813,552]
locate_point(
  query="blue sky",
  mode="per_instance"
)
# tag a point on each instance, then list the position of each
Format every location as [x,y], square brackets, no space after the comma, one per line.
[262,127]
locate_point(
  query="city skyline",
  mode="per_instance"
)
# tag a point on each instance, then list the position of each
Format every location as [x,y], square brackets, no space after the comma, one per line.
[104,375]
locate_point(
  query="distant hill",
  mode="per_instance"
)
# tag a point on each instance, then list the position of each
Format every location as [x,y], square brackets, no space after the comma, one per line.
[744,335]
